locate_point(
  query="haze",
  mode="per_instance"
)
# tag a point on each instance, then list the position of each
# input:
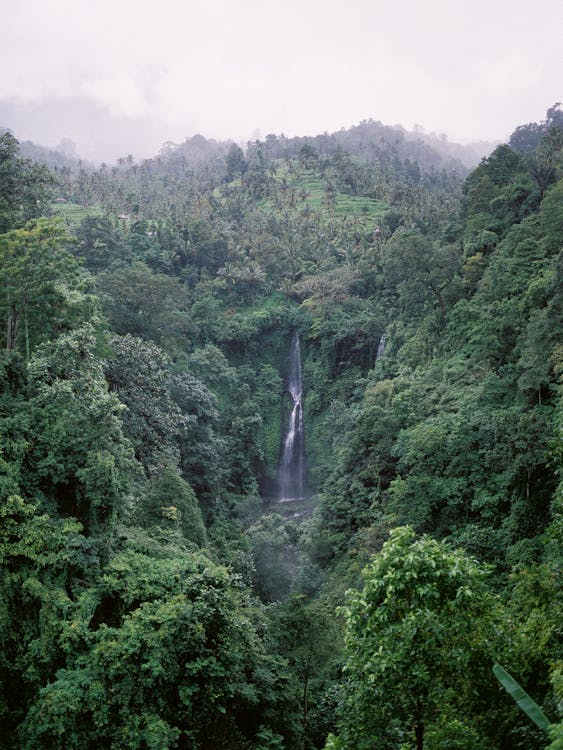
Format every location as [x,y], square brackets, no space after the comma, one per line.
[123,77]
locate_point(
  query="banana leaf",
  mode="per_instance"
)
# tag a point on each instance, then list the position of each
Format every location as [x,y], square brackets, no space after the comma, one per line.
[529,706]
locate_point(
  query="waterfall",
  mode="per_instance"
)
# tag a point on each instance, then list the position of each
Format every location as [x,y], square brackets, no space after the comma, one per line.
[380,348]
[291,473]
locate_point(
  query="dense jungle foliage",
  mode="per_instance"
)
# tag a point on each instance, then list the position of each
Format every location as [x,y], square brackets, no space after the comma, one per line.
[153,593]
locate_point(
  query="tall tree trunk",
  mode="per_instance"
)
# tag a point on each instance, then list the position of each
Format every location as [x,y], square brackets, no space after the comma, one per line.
[27,349]
[305,706]
[12,329]
[419,735]
[418,727]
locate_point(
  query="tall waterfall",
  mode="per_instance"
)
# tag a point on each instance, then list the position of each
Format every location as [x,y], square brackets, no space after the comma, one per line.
[381,347]
[292,468]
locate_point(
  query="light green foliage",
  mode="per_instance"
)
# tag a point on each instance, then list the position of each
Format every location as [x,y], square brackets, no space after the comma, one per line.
[419,637]
[556,737]
[74,213]
[453,734]
[323,195]
[556,730]
[42,292]
[76,456]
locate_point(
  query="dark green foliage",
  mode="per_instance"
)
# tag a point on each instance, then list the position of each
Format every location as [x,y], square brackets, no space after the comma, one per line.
[98,244]
[172,666]
[138,372]
[146,304]
[477,378]
[72,451]
[236,163]
[171,502]
[274,557]
[527,138]
[202,449]
[421,273]
[552,217]
[306,635]
[43,558]
[24,187]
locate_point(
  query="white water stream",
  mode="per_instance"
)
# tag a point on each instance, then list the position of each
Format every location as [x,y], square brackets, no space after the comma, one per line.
[292,468]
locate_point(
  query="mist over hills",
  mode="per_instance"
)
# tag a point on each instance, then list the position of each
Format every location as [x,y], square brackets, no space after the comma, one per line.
[365,140]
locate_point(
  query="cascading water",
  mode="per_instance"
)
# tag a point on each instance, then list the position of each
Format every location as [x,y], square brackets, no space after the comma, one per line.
[292,468]
[380,348]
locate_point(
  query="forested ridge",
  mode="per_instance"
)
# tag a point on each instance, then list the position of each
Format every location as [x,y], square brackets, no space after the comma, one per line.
[154,593]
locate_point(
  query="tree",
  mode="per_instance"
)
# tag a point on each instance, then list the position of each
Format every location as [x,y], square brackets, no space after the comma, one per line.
[527,138]
[138,372]
[420,270]
[273,557]
[171,500]
[552,217]
[140,302]
[202,451]
[173,661]
[308,636]
[44,565]
[76,457]
[24,187]
[236,163]
[419,639]
[98,244]
[41,290]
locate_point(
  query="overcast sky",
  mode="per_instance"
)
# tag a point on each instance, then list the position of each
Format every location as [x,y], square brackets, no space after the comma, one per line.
[120,76]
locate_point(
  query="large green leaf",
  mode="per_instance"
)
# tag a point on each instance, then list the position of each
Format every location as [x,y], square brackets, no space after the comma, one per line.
[529,706]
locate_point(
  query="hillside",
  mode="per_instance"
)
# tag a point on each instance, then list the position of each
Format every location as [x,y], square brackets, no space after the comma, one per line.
[365,140]
[174,328]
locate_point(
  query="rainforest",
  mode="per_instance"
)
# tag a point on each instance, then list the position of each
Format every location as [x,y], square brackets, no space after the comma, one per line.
[280,445]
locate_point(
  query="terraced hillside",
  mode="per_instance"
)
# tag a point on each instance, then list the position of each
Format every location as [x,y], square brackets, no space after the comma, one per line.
[74,213]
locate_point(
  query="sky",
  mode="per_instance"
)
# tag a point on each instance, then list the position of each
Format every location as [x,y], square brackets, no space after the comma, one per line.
[124,76]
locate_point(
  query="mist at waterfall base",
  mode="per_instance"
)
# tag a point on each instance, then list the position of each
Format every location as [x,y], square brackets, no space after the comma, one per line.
[292,471]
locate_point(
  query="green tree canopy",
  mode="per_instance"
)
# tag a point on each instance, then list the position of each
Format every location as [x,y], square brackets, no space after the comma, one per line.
[24,187]
[419,640]
[41,289]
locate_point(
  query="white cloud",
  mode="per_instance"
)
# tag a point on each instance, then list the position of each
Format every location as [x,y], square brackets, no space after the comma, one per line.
[120,94]
[225,68]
